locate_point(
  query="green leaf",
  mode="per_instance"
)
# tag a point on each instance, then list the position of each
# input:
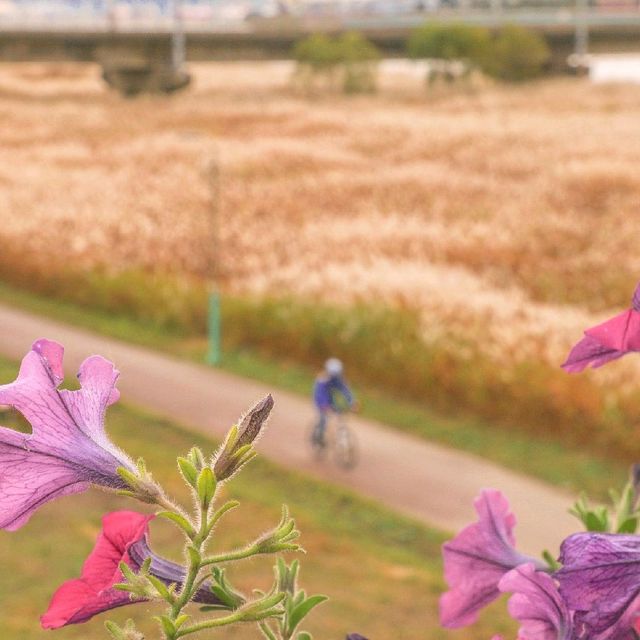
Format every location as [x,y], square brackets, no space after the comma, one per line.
[167,625]
[180,521]
[126,493]
[299,598]
[221,588]
[267,632]
[240,451]
[128,476]
[126,571]
[180,620]
[188,471]
[161,588]
[594,523]
[629,525]
[303,609]
[227,506]
[304,635]
[214,607]
[550,560]
[196,458]
[114,630]
[206,485]
[232,438]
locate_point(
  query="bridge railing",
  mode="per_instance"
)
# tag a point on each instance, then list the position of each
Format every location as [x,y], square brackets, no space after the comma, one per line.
[251,15]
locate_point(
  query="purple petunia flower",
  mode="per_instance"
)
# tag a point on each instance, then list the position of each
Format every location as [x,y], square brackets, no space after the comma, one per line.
[600,581]
[68,448]
[607,341]
[476,560]
[537,604]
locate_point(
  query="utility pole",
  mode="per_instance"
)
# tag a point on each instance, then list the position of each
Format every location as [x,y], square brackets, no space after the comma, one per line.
[581,35]
[214,352]
[178,40]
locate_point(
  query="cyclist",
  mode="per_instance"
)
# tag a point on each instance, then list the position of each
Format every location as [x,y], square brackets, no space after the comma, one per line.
[328,388]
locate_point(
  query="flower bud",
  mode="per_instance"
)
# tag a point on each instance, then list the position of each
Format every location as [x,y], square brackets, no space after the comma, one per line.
[237,449]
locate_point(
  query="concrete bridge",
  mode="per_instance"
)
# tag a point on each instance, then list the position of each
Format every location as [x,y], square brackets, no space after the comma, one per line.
[148,53]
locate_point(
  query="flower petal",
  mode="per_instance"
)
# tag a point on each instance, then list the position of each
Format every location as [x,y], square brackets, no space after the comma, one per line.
[589,352]
[600,579]
[68,448]
[123,539]
[28,479]
[621,332]
[537,604]
[75,602]
[88,405]
[80,599]
[477,558]
[635,300]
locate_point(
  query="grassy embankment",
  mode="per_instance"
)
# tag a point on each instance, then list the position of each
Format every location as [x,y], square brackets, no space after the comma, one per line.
[271,343]
[382,571]
[485,225]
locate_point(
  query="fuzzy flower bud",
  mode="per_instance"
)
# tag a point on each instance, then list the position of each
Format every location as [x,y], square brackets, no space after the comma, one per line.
[237,449]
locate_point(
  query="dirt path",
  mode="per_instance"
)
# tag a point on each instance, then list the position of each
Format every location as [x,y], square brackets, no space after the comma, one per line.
[427,481]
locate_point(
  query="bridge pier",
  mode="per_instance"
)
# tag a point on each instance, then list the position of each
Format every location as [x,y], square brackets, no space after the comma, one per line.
[133,67]
[131,79]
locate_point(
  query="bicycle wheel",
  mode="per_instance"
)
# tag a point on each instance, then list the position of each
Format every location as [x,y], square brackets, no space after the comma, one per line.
[318,448]
[344,447]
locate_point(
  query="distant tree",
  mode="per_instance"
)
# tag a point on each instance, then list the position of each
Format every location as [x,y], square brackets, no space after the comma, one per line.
[514,54]
[449,42]
[318,51]
[517,54]
[348,62]
[359,58]
[454,50]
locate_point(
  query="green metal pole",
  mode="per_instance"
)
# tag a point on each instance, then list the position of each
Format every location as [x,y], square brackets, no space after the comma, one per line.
[214,352]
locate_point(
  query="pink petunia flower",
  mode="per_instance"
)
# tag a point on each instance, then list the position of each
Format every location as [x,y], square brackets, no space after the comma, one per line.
[607,341]
[68,449]
[477,558]
[124,538]
[537,604]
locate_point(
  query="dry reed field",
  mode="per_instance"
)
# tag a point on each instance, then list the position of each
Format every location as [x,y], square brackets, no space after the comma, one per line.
[505,216]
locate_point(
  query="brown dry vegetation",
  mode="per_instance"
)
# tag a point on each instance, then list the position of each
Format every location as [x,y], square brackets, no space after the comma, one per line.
[507,217]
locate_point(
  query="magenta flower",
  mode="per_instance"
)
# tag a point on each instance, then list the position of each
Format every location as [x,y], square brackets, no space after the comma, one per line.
[537,604]
[476,560]
[68,449]
[600,581]
[123,539]
[607,341]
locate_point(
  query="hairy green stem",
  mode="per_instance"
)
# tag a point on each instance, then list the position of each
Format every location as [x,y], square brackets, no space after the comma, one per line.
[193,569]
[266,630]
[210,624]
[247,552]
[169,505]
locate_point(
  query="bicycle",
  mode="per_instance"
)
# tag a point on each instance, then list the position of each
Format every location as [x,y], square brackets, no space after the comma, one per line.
[341,441]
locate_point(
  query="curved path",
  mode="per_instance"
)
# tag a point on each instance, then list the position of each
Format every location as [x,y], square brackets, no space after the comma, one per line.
[429,482]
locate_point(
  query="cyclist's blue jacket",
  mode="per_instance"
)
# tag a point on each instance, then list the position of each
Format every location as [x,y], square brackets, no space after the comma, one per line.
[326,391]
